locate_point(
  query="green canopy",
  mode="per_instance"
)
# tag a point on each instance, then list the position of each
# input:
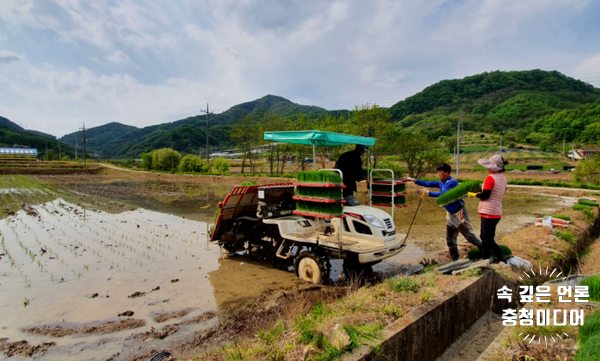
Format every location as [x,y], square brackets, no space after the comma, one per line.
[319,138]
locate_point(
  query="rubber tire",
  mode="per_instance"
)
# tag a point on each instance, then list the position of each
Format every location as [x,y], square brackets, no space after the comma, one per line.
[309,268]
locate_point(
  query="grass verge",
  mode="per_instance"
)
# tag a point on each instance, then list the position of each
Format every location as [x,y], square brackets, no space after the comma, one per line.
[362,314]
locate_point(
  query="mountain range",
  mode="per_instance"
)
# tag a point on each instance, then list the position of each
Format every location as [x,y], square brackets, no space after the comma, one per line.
[535,105]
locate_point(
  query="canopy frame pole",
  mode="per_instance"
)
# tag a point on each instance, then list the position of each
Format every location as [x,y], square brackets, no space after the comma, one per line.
[314,155]
[369,178]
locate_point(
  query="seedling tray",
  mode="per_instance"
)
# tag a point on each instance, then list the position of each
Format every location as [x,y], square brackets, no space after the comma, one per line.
[320,185]
[318,215]
[387,181]
[459,192]
[318,200]
[456,200]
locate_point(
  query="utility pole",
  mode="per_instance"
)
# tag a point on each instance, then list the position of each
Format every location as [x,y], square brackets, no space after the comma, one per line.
[458,144]
[172,154]
[77,131]
[59,157]
[84,149]
[564,140]
[207,114]
[46,151]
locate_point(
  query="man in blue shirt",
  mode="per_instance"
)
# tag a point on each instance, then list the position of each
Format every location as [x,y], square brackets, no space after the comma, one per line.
[457,218]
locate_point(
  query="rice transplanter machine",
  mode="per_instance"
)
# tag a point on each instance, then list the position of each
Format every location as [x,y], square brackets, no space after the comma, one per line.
[307,222]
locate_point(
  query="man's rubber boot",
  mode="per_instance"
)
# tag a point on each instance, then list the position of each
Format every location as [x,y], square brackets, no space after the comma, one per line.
[454,253]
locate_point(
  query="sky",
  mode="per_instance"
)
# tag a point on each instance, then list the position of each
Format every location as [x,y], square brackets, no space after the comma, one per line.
[138,62]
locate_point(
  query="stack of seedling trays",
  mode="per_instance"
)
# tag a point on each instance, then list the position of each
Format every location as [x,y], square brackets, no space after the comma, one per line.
[319,194]
[382,190]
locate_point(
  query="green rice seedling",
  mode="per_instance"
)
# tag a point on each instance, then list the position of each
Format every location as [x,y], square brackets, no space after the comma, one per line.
[590,350]
[475,254]
[590,328]
[458,192]
[316,192]
[593,283]
[387,188]
[585,202]
[319,177]
[567,237]
[566,218]
[587,211]
[399,201]
[321,208]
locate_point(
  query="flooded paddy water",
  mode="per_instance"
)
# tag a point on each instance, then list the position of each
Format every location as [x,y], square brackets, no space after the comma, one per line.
[109,270]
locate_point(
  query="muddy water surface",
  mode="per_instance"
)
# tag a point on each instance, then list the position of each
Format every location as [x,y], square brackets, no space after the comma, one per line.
[97,283]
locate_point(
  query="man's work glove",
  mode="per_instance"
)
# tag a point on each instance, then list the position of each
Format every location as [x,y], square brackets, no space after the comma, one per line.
[472,195]
[422,192]
[409,179]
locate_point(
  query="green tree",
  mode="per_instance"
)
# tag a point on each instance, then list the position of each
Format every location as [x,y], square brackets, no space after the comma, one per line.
[271,123]
[420,154]
[188,163]
[588,170]
[221,165]
[201,165]
[146,160]
[303,122]
[374,122]
[165,159]
[66,158]
[246,133]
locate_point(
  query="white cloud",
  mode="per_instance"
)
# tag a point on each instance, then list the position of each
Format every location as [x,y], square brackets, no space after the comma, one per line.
[170,59]
[120,58]
[9,56]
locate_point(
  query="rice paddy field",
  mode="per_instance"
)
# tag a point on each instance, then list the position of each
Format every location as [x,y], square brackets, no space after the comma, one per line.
[95,278]
[113,267]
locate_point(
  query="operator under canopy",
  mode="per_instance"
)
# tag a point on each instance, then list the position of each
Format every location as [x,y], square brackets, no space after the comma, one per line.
[350,164]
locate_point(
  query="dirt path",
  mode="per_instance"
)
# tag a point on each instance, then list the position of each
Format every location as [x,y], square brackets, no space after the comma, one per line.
[119,168]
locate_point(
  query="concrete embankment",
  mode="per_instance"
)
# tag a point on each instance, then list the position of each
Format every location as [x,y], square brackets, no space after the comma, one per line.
[425,333]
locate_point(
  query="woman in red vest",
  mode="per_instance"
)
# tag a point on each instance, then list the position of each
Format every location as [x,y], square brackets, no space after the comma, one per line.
[490,206]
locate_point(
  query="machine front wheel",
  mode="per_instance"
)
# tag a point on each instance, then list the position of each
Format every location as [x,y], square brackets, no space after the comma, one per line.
[309,267]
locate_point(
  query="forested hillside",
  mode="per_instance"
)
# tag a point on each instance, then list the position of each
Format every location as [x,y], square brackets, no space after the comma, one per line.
[530,105]
[98,136]
[12,134]
[189,134]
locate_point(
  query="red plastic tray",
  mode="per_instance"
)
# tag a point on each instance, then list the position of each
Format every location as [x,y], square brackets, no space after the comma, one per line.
[319,200]
[389,194]
[320,185]
[318,215]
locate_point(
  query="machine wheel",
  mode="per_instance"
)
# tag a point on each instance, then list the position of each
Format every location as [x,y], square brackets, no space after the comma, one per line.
[309,268]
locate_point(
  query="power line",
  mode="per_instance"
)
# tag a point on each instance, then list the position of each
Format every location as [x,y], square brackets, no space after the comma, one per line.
[207,148]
